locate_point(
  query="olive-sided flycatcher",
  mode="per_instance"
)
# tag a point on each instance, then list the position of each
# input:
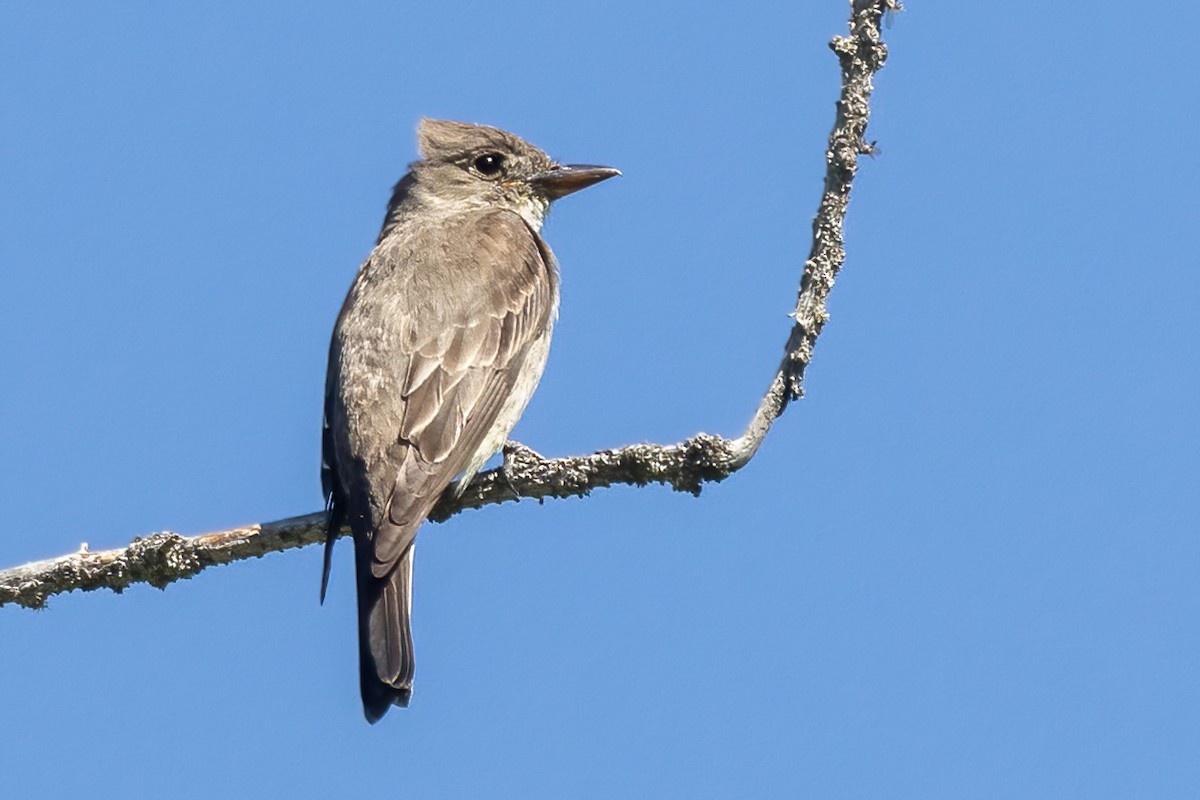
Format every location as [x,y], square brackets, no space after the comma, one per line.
[437,350]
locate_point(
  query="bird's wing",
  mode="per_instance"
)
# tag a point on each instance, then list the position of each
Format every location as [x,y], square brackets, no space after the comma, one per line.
[458,374]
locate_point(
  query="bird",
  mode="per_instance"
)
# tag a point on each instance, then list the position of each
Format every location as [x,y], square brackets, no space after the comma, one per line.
[438,347]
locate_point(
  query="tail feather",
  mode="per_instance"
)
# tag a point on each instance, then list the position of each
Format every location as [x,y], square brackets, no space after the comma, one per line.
[334,517]
[385,642]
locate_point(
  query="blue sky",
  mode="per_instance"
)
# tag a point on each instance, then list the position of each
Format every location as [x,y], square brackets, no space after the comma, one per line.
[964,566]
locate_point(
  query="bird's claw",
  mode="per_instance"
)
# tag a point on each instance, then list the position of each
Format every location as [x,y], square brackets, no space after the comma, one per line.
[515,455]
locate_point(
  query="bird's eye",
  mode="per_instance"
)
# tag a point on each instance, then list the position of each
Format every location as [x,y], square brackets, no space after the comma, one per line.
[489,165]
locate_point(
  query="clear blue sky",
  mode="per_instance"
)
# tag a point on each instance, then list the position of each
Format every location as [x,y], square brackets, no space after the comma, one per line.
[966,565]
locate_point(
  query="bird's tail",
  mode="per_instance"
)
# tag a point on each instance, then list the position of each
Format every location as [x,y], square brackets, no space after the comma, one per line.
[385,642]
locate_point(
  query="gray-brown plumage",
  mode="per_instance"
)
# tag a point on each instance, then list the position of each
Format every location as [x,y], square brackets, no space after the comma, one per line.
[437,350]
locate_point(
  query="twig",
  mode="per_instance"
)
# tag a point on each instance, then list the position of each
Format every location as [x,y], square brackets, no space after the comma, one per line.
[165,557]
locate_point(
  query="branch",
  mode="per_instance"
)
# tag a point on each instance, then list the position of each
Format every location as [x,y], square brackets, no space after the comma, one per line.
[165,557]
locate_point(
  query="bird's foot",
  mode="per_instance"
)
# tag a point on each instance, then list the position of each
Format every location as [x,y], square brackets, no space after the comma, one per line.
[516,455]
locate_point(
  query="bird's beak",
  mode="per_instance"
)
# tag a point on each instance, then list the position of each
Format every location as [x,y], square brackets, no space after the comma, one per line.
[563,179]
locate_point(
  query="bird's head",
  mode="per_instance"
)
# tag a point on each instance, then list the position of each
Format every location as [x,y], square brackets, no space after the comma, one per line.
[480,166]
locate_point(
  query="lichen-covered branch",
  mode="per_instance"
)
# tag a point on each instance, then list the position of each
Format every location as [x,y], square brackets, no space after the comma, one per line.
[162,558]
